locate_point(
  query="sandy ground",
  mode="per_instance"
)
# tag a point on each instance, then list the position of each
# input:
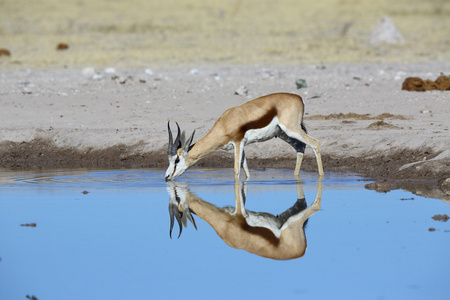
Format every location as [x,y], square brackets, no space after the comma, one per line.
[155,61]
[56,118]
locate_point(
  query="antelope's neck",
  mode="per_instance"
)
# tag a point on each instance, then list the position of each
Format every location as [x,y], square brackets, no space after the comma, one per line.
[203,147]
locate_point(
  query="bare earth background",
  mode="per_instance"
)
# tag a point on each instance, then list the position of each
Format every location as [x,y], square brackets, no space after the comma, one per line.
[131,66]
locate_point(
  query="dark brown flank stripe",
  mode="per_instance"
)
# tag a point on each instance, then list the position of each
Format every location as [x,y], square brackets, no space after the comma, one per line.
[265,233]
[259,123]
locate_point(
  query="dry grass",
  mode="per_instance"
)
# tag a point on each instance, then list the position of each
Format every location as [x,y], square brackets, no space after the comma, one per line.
[161,32]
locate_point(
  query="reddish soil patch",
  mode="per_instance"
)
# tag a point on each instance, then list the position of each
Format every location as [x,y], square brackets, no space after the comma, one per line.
[355,116]
[380,125]
[417,84]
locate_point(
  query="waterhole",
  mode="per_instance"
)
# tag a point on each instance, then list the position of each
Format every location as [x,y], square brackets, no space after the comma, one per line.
[105,234]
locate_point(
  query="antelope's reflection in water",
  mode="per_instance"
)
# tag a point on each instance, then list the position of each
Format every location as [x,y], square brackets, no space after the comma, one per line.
[278,237]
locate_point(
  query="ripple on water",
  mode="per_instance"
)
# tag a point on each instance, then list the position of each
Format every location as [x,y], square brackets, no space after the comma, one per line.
[154,178]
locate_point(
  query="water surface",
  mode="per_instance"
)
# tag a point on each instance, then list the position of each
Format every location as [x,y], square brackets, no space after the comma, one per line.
[105,235]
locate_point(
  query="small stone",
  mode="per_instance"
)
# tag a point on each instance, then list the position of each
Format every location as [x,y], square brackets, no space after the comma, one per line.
[110,71]
[268,74]
[148,72]
[241,91]
[301,83]
[97,76]
[445,185]
[446,182]
[193,72]
[4,52]
[62,46]
[88,72]
[28,88]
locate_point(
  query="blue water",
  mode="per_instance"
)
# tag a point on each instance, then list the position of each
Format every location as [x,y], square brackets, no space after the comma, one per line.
[113,241]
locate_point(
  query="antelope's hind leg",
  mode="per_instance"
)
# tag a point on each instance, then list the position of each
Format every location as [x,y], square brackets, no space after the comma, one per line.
[298,133]
[244,165]
[299,148]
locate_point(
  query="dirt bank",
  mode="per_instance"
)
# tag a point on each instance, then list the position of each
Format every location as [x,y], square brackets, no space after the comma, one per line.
[383,169]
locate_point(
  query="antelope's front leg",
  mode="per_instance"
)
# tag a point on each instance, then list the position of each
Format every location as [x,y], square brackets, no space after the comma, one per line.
[238,153]
[319,159]
[298,164]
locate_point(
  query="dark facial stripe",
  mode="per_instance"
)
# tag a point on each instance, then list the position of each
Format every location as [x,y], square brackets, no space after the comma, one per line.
[174,169]
[175,165]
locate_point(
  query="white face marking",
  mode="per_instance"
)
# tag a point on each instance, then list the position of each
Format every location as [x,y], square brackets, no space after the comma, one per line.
[177,166]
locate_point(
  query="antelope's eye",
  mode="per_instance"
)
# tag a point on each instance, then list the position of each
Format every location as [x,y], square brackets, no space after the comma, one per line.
[177,160]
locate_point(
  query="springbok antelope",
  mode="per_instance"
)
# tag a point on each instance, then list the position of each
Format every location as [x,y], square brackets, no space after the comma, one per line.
[278,237]
[275,115]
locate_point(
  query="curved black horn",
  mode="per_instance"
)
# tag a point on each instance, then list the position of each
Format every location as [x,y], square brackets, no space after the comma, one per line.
[173,146]
[169,149]
[177,143]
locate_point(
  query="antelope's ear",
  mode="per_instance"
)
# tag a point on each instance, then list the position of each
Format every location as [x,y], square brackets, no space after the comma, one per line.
[182,139]
[188,145]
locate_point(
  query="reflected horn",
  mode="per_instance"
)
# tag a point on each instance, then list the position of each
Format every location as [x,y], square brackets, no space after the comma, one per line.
[174,213]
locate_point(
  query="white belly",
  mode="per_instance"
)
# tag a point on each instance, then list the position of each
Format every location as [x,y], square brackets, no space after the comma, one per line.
[258,135]
[262,134]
